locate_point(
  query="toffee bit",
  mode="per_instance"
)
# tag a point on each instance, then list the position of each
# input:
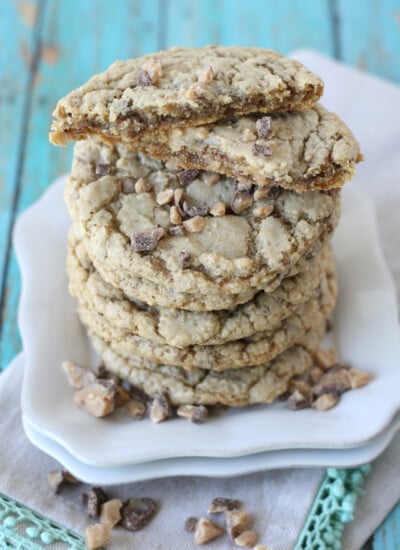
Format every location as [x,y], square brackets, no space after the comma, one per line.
[184,259]
[102,169]
[222,504]
[144,241]
[194,413]
[165,197]
[190,524]
[97,536]
[206,530]
[260,193]
[236,522]
[242,200]
[316,373]
[298,401]
[218,209]
[174,216]
[143,186]
[335,381]
[187,176]
[325,358]
[206,75]
[150,73]
[261,150]
[58,478]
[248,135]
[97,399]
[177,231]
[160,408]
[93,501]
[263,211]
[264,126]
[192,210]
[110,512]
[136,513]
[325,401]
[194,225]
[136,410]
[78,377]
[358,378]
[247,539]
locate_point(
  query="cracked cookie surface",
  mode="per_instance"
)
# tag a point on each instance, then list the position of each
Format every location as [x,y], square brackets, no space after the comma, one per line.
[182,328]
[183,87]
[129,234]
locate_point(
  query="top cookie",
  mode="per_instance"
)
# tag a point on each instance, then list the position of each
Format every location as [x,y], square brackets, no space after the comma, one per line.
[183,87]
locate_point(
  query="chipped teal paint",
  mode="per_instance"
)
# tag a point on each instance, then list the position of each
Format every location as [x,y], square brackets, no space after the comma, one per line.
[100,31]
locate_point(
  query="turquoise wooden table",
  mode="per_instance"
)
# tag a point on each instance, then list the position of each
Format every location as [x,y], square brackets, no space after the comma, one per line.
[49,47]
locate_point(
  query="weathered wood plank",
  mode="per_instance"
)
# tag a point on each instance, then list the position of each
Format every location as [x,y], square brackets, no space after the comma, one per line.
[285,25]
[18,45]
[74,47]
[387,536]
[370,35]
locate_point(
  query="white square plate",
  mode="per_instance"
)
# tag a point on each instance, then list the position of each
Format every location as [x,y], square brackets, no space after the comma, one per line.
[366,334]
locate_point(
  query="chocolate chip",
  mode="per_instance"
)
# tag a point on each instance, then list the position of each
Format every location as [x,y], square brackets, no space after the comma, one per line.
[187,176]
[184,259]
[136,513]
[190,524]
[222,504]
[261,150]
[128,186]
[143,241]
[102,169]
[194,413]
[192,210]
[263,126]
[93,500]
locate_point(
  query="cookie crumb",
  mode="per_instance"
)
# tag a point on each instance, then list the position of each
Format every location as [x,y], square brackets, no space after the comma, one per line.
[264,126]
[222,504]
[160,409]
[136,410]
[194,413]
[58,478]
[194,225]
[325,401]
[143,186]
[144,241]
[136,513]
[110,512]
[218,209]
[261,150]
[263,211]
[236,521]
[206,530]
[97,536]
[247,539]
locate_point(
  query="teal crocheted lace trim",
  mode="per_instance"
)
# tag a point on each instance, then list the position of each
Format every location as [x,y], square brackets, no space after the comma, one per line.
[333,507]
[24,529]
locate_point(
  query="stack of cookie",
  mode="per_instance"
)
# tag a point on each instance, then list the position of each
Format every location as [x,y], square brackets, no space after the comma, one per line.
[204,192]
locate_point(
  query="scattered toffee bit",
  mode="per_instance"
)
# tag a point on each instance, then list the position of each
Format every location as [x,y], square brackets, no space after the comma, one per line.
[206,76]
[97,536]
[194,413]
[58,478]
[264,126]
[97,399]
[222,504]
[165,197]
[177,231]
[160,408]
[121,396]
[102,169]
[110,513]
[325,401]
[325,358]
[316,373]
[263,211]
[144,241]
[358,378]
[247,539]
[194,91]
[143,186]
[194,225]
[190,524]
[210,178]
[128,186]
[136,410]
[206,530]
[237,522]
[302,386]
[184,259]
[248,135]
[218,209]
[175,216]
[136,513]
[298,401]
[261,150]
[242,200]
[150,73]
[187,176]
[93,500]
[260,193]
[334,381]
[78,377]
[192,210]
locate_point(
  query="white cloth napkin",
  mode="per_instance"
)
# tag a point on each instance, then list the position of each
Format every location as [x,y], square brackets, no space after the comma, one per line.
[279,500]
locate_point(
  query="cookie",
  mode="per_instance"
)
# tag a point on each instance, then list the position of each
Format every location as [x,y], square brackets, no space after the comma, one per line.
[182,87]
[254,350]
[235,388]
[130,232]
[302,151]
[180,328]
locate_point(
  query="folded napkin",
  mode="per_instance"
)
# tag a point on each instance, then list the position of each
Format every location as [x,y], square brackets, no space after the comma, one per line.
[279,501]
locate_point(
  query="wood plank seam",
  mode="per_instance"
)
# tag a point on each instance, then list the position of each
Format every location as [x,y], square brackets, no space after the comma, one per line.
[21,150]
[336,28]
